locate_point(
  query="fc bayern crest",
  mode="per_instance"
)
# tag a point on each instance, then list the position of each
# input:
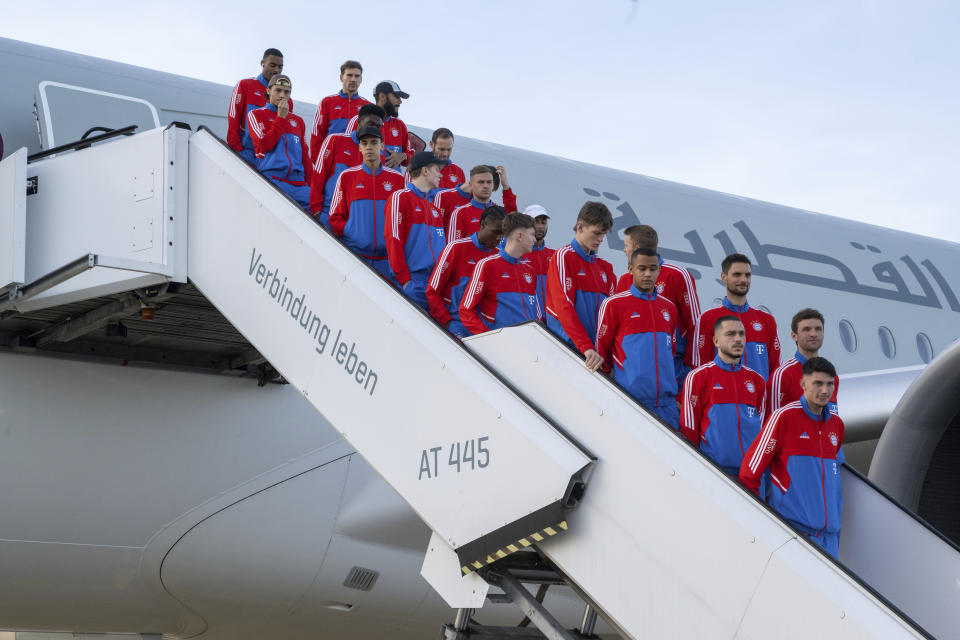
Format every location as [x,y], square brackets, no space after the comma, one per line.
[833,439]
[659,287]
[387,186]
[666,315]
[750,387]
[757,326]
[395,132]
[528,277]
[436,214]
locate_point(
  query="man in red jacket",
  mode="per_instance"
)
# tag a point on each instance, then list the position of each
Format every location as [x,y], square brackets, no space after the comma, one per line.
[801,443]
[334,112]
[250,94]
[280,142]
[539,258]
[455,268]
[806,329]
[465,219]
[578,281]
[441,143]
[503,290]
[674,283]
[414,229]
[389,97]
[448,200]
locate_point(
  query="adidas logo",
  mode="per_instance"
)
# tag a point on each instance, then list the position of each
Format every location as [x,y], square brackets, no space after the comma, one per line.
[634,315]
[471,262]
[804,436]
[718,386]
[581,273]
[360,186]
[505,275]
[337,108]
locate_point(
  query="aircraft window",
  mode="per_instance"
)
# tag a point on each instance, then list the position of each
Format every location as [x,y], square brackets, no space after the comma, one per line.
[887,344]
[924,347]
[717,302]
[848,336]
[764,309]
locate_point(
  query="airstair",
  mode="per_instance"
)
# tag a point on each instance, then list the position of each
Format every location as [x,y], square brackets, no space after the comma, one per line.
[527,468]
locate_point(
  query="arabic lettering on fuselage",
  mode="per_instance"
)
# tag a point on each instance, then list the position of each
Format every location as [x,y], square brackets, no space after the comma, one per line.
[892,285]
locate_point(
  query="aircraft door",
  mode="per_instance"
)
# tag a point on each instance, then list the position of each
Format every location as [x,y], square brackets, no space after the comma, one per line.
[66,112]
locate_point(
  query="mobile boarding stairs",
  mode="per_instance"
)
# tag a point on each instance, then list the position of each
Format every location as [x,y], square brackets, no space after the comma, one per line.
[548,474]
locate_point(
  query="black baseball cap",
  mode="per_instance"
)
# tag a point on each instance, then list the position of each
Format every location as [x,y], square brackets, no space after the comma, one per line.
[368,132]
[424,159]
[389,86]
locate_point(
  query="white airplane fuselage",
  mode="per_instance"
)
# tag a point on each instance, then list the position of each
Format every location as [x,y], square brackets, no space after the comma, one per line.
[144,498]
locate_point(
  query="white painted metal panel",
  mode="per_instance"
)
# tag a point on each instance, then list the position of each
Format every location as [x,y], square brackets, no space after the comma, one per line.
[13,217]
[396,385]
[667,544]
[121,200]
[901,558]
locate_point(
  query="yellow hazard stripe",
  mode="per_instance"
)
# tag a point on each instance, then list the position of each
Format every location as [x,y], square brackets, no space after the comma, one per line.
[536,536]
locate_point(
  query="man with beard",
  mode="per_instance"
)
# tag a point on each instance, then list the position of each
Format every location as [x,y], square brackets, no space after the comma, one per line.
[806,329]
[280,142]
[250,94]
[357,210]
[340,151]
[539,258]
[455,268]
[334,112]
[724,401]
[763,347]
[635,339]
[396,140]
[441,144]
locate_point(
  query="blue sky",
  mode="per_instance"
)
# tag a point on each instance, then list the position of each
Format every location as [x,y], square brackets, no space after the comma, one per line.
[848,108]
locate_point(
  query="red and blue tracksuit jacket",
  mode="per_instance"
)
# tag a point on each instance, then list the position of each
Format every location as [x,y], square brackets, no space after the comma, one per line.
[636,337]
[333,114]
[679,287]
[249,94]
[448,200]
[803,452]
[451,276]
[395,136]
[339,152]
[539,260]
[451,177]
[280,145]
[762,352]
[465,219]
[501,293]
[784,386]
[577,283]
[357,210]
[414,234]
[722,411]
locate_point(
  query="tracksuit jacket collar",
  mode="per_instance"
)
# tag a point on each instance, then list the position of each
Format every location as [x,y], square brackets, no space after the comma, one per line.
[799,357]
[589,257]
[417,192]
[371,172]
[730,305]
[726,366]
[478,244]
[463,194]
[272,107]
[478,204]
[824,415]
[262,80]
[540,247]
[636,293]
[346,97]
[509,258]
